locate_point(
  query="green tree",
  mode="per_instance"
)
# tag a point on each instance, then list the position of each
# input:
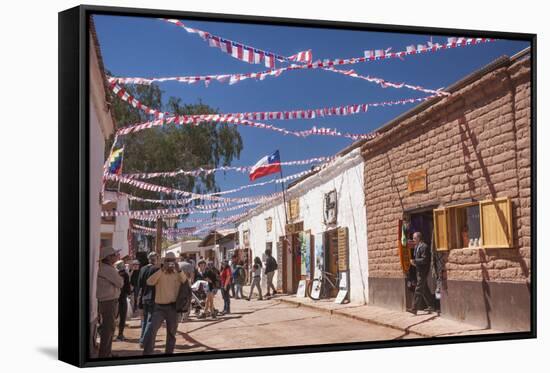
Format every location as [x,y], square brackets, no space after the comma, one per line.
[172,147]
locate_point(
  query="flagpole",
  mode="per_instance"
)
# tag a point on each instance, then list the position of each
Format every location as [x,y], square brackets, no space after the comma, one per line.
[284,196]
[121,165]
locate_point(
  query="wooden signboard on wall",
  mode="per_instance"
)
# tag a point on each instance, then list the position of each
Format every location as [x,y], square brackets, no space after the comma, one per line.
[417,181]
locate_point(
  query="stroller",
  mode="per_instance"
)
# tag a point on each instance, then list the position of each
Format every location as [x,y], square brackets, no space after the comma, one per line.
[198,293]
[198,299]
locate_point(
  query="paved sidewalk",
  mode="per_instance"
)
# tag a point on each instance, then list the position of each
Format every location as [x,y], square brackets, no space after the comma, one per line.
[423,324]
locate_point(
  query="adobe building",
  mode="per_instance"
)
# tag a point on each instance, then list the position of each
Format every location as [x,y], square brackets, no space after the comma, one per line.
[458,169]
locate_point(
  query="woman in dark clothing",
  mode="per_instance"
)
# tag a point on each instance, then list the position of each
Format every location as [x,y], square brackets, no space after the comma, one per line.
[123,299]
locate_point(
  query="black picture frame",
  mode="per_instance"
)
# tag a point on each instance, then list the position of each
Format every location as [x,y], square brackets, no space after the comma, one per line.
[74,184]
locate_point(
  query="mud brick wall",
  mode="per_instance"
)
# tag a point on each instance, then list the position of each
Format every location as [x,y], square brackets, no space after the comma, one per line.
[473,144]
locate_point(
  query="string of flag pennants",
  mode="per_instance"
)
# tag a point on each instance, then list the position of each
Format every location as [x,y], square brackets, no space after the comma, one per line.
[182,220]
[241,51]
[320,131]
[299,61]
[207,196]
[160,212]
[167,230]
[385,84]
[370,55]
[208,171]
[280,115]
[244,200]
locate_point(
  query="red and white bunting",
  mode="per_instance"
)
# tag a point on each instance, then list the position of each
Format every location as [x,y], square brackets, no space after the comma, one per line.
[207,196]
[279,115]
[166,230]
[385,84]
[207,171]
[241,51]
[244,200]
[370,56]
[165,212]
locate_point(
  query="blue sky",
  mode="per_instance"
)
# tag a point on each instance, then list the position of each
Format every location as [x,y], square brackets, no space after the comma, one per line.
[147,47]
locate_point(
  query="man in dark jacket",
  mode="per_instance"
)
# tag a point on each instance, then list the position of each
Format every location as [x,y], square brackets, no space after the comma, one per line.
[421,261]
[122,299]
[270,268]
[147,293]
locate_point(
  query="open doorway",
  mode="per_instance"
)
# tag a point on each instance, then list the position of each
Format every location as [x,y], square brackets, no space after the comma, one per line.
[419,221]
[331,257]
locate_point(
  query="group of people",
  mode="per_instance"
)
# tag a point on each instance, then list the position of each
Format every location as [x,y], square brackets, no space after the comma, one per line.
[157,287]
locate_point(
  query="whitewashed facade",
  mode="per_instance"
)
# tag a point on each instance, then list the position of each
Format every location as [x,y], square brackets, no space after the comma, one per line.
[101,128]
[345,176]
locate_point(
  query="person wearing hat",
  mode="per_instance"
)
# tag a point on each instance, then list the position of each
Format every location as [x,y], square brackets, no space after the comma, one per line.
[167,282]
[109,284]
[123,298]
[147,293]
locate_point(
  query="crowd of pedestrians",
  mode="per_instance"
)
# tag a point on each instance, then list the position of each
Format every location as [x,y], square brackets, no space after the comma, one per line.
[164,289]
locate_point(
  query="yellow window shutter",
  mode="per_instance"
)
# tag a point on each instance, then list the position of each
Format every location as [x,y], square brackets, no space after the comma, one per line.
[496,223]
[440,229]
[343,252]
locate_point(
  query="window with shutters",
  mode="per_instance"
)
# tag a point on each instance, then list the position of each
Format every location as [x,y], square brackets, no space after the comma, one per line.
[486,224]
[496,223]
[440,229]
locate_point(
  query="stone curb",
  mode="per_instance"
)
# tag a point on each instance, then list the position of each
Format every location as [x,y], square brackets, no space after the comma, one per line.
[354,317]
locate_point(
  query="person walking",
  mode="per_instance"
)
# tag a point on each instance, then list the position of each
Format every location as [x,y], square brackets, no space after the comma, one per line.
[270,268]
[225,279]
[421,261]
[134,283]
[167,282]
[147,293]
[239,276]
[109,284]
[233,264]
[256,278]
[212,276]
[122,299]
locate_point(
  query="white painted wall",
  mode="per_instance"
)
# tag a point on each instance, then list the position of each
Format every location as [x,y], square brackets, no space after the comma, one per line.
[259,235]
[345,176]
[122,224]
[97,148]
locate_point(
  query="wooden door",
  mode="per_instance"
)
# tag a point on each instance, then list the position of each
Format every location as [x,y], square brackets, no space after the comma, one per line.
[281,248]
[297,261]
[289,266]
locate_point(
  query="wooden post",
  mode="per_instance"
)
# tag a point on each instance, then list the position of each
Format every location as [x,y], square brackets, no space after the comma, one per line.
[158,241]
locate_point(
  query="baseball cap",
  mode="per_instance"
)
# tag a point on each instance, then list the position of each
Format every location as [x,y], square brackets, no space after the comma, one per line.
[170,255]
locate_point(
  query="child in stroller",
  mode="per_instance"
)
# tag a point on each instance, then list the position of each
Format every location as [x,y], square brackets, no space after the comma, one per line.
[199,290]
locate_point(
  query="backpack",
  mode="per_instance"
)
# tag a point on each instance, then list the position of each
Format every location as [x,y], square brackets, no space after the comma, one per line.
[241,275]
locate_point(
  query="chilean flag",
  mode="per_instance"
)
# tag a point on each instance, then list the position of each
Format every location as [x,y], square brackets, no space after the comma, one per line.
[268,165]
